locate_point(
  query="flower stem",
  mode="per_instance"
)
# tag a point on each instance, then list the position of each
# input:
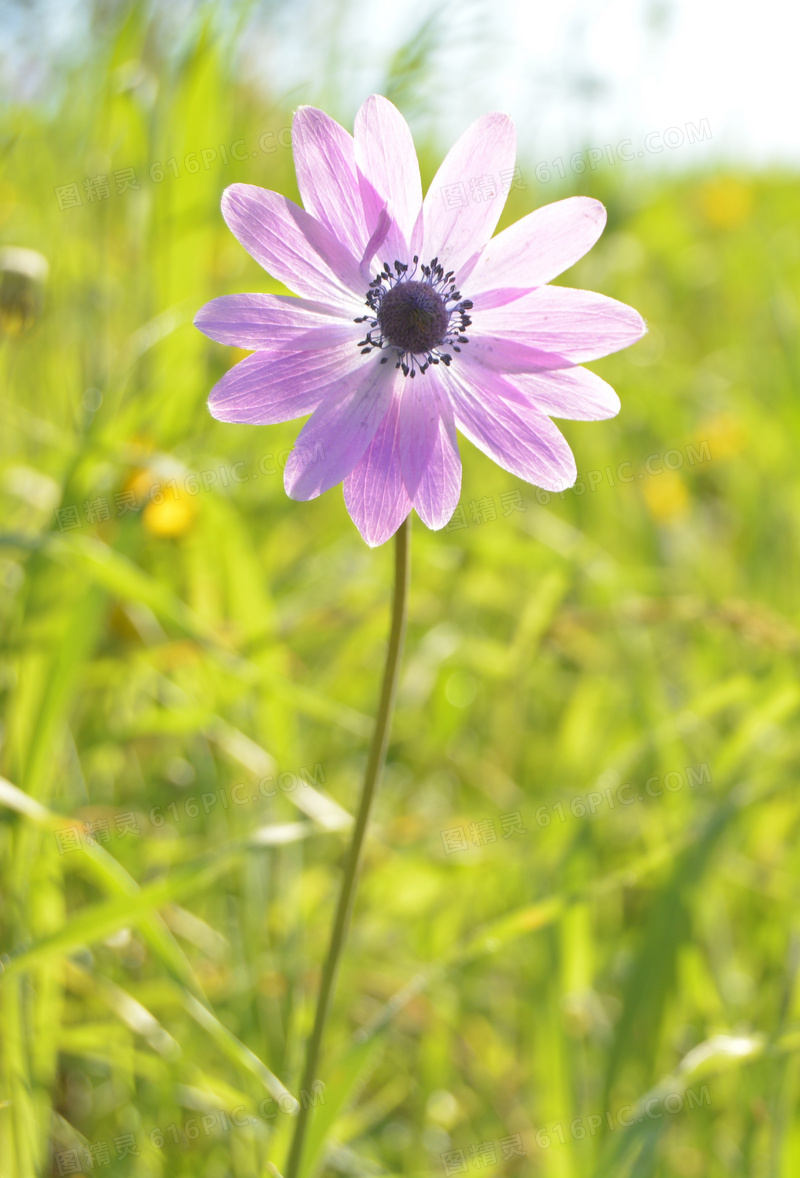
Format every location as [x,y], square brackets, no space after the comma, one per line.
[344,909]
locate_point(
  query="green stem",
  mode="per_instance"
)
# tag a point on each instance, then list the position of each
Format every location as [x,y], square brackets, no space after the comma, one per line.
[344,909]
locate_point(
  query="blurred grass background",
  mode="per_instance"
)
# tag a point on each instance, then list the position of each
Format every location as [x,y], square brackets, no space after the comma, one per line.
[529,964]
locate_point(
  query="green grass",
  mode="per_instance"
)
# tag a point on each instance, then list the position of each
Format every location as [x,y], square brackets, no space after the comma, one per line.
[533,988]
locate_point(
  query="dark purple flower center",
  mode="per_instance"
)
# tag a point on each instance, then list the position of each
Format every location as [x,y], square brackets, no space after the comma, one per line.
[413,317]
[418,319]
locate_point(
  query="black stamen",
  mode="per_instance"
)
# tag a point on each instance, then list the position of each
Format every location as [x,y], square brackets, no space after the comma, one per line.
[415,316]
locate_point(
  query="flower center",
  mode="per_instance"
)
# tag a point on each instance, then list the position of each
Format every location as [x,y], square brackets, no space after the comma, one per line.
[419,318]
[413,317]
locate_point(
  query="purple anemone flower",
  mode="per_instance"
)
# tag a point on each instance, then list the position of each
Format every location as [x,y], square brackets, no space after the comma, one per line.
[412,321]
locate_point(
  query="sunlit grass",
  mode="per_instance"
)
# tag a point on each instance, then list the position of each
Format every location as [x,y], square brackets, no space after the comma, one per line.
[600,694]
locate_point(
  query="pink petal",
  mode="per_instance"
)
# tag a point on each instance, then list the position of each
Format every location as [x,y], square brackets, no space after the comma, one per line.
[269,387]
[418,429]
[385,155]
[428,445]
[487,300]
[273,323]
[456,225]
[573,393]
[383,226]
[295,248]
[324,159]
[517,437]
[540,246]
[511,355]
[374,491]
[577,325]
[341,428]
[437,495]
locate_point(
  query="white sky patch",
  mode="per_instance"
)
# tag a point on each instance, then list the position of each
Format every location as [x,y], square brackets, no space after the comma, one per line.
[574,74]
